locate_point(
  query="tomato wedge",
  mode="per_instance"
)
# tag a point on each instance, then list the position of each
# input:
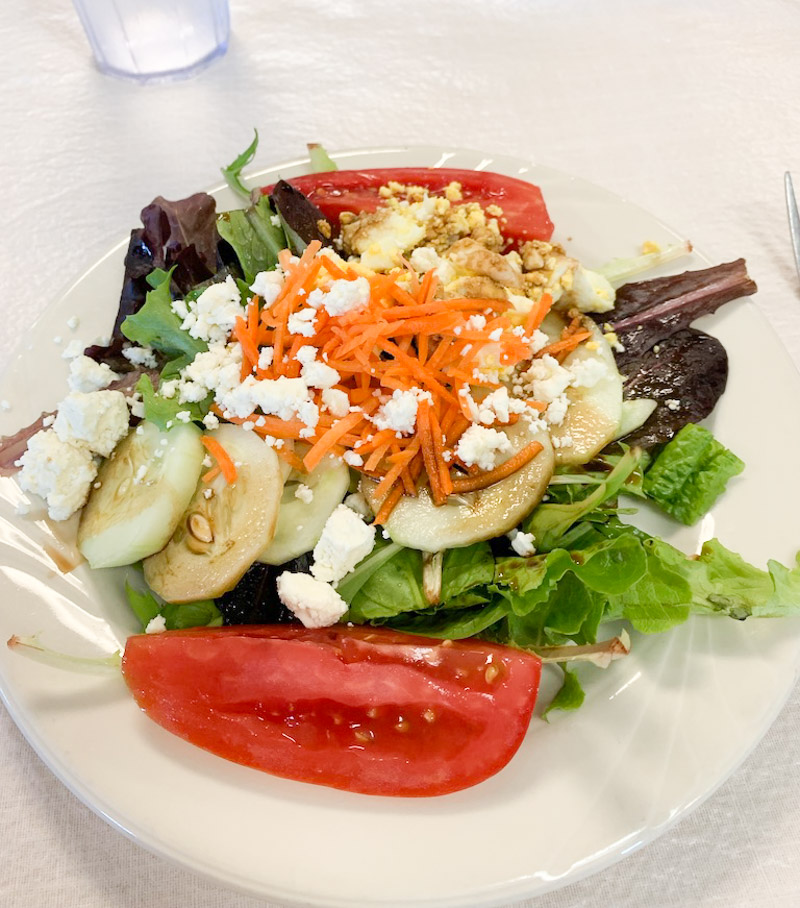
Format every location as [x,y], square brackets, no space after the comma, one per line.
[360,709]
[524,210]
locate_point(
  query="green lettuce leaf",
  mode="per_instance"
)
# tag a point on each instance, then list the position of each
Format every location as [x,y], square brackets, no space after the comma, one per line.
[550,521]
[254,237]
[233,172]
[156,325]
[382,552]
[465,568]
[319,159]
[450,624]
[163,411]
[395,588]
[146,606]
[690,473]
[570,695]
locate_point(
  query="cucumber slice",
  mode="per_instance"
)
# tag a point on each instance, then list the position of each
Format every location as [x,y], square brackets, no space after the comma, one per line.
[463,519]
[300,522]
[595,412]
[635,413]
[224,528]
[144,488]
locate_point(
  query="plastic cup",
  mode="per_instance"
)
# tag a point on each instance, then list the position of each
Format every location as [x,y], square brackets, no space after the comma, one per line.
[149,40]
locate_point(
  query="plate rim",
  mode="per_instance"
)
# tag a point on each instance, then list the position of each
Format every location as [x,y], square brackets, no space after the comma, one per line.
[498,893]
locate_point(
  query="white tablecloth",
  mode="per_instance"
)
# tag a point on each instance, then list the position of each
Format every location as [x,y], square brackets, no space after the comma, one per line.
[687,109]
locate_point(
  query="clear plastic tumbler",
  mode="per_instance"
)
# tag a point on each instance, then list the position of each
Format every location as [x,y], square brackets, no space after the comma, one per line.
[150,40]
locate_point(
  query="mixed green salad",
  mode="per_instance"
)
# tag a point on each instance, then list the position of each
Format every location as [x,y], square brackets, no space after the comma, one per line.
[390,399]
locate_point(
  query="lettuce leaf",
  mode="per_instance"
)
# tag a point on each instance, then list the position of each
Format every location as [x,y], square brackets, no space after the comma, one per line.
[233,172]
[146,606]
[550,521]
[570,695]
[392,590]
[156,325]
[690,473]
[253,236]
[163,411]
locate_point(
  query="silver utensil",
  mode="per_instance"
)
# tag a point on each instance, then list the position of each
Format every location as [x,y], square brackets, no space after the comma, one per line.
[794,218]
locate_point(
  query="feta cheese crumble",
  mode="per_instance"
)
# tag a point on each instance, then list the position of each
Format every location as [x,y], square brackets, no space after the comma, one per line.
[96,420]
[60,472]
[212,316]
[156,625]
[480,446]
[345,540]
[314,602]
[399,413]
[342,296]
[86,375]
[522,543]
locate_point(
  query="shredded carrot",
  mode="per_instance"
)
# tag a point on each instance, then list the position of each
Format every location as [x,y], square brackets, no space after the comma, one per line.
[388,505]
[490,477]
[537,313]
[402,338]
[224,462]
[565,345]
[210,474]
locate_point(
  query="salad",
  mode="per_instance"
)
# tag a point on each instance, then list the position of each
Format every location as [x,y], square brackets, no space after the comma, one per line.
[373,410]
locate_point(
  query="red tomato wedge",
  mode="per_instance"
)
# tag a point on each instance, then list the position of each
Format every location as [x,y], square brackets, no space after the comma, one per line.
[360,709]
[525,214]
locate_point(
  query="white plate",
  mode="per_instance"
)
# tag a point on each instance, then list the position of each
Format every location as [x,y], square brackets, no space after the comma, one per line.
[659,731]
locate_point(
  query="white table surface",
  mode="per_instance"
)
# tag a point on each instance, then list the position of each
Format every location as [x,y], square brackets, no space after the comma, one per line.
[687,109]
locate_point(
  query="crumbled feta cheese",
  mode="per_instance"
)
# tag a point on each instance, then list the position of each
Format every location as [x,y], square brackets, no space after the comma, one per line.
[140,356]
[74,348]
[212,316]
[156,625]
[87,375]
[539,340]
[137,406]
[306,354]
[342,296]
[183,416]
[498,406]
[522,543]
[97,421]
[267,285]
[586,373]
[72,322]
[5,404]
[557,410]
[352,459]
[60,472]
[480,446]
[546,378]
[265,357]
[319,375]
[211,421]
[304,493]
[336,402]
[399,413]
[302,322]
[476,323]
[562,441]
[345,540]
[314,602]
